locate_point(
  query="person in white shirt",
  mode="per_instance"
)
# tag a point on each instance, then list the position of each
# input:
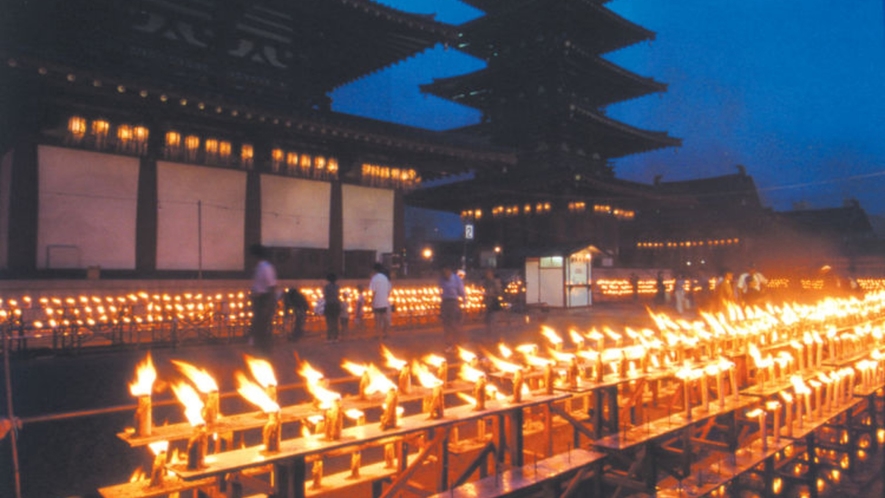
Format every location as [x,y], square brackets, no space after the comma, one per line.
[751,285]
[264,300]
[379,288]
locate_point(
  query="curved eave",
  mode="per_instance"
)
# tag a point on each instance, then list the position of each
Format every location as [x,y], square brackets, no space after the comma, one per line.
[602,82]
[493,6]
[596,28]
[612,139]
[74,88]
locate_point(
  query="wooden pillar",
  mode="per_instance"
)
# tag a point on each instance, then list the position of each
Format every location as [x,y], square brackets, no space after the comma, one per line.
[336,229]
[146,218]
[23,206]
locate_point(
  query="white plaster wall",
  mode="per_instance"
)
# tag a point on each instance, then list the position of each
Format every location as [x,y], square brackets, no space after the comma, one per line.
[294,212]
[368,218]
[222,194]
[5,189]
[87,209]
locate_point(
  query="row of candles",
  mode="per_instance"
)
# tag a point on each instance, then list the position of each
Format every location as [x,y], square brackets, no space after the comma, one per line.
[557,367]
[144,308]
[830,392]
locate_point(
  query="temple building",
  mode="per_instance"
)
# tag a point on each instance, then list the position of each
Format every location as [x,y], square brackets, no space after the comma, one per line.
[159,139]
[543,94]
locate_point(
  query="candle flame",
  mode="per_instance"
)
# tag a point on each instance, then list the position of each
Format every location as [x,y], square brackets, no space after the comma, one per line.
[262,370]
[255,394]
[193,405]
[392,361]
[201,378]
[551,335]
[425,378]
[145,375]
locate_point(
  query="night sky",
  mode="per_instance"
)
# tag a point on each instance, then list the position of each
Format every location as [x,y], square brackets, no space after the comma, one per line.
[790,89]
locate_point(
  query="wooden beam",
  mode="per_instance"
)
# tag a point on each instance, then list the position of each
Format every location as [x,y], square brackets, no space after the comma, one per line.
[401,480]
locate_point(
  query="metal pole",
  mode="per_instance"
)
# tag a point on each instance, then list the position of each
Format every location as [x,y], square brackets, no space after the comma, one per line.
[7,343]
[200,240]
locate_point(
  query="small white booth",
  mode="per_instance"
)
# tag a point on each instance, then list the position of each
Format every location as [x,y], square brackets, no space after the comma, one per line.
[560,279]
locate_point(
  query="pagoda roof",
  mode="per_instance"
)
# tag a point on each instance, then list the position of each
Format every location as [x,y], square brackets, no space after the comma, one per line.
[517,22]
[602,82]
[288,51]
[609,138]
[492,6]
[518,188]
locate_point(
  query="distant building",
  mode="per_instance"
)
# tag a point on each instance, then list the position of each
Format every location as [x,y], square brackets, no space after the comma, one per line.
[543,94]
[157,139]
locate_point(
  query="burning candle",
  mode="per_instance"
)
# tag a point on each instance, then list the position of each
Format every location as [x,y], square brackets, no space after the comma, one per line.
[548,378]
[518,380]
[719,386]
[760,413]
[479,392]
[389,415]
[158,467]
[686,388]
[817,397]
[788,403]
[775,407]
[732,375]
[197,444]
[141,388]
[197,447]
[436,403]
[270,433]
[333,418]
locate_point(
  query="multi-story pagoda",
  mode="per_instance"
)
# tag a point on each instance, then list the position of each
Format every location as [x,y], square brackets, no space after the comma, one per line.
[162,138]
[544,93]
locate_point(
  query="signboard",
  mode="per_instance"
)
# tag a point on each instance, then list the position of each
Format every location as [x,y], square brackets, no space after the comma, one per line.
[468,231]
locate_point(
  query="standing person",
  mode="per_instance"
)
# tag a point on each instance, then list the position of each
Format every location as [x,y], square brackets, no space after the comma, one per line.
[751,285]
[451,292]
[264,300]
[660,290]
[332,311]
[634,285]
[379,286]
[297,305]
[492,294]
[725,291]
[679,293]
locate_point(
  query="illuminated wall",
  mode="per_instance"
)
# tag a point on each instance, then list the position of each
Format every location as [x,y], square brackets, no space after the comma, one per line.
[222,193]
[368,218]
[87,209]
[294,213]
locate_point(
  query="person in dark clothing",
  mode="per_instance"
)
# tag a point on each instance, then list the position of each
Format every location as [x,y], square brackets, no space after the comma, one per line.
[297,306]
[660,290]
[332,311]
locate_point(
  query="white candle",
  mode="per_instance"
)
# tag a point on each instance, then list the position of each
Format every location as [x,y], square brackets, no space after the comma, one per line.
[719,388]
[775,407]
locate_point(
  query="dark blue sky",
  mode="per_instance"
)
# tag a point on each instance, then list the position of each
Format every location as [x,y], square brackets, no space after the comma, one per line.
[791,89]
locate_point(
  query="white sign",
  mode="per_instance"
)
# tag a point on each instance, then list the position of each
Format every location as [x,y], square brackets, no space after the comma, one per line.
[468,231]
